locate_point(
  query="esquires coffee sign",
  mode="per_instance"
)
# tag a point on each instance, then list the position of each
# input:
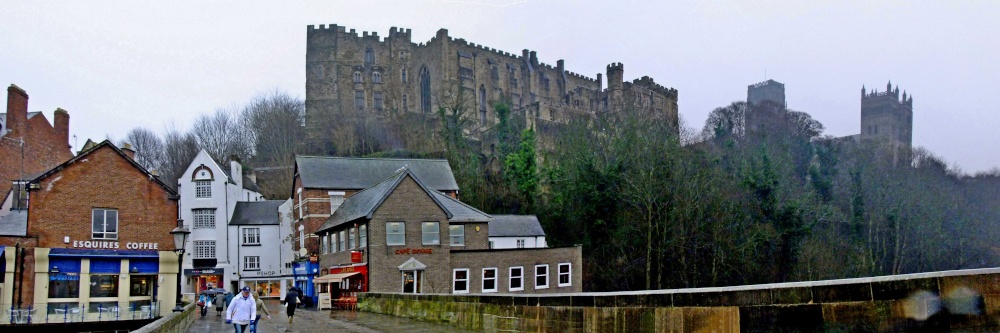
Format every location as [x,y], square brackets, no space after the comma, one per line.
[114,245]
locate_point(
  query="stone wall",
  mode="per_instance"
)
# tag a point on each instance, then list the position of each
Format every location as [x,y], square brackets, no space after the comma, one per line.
[175,322]
[938,301]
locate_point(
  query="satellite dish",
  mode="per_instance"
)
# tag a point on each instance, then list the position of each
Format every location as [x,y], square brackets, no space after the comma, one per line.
[303,252]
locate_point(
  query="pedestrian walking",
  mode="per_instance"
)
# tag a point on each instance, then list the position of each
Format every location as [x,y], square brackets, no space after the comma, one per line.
[291,299]
[261,309]
[242,311]
[204,302]
[220,301]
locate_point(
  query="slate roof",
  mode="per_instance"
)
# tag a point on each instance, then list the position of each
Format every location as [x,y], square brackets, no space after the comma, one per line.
[14,223]
[515,226]
[256,213]
[350,173]
[364,203]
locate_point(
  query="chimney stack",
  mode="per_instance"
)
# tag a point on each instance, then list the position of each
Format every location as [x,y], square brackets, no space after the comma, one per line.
[129,151]
[17,110]
[61,123]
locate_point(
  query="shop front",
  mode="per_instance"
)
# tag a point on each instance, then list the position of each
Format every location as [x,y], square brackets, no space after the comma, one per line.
[267,288]
[205,278]
[341,284]
[303,274]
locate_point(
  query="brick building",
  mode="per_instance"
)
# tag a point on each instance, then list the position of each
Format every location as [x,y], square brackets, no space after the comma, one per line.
[29,145]
[97,242]
[399,235]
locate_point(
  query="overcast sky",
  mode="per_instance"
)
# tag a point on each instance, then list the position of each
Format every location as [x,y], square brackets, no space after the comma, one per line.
[119,65]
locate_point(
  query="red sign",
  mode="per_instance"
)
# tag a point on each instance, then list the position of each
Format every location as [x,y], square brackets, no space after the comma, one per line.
[415,251]
[355,256]
[313,258]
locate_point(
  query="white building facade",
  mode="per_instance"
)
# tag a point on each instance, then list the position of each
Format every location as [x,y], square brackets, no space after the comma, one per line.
[209,194]
[516,232]
[257,241]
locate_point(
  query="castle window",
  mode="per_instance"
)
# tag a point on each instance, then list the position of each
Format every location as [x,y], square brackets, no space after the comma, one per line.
[378,100]
[482,106]
[357,77]
[403,74]
[377,77]
[425,90]
[359,99]
[405,107]
[369,57]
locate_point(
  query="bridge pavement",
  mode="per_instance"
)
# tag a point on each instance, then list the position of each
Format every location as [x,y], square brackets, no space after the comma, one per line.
[319,321]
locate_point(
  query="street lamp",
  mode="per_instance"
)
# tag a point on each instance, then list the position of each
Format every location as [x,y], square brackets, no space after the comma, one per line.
[180,238]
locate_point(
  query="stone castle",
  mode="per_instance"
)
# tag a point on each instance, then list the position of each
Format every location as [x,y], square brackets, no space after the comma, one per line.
[348,75]
[885,115]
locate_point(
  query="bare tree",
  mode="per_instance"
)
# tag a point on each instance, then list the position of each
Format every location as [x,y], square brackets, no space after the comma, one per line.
[179,150]
[148,147]
[274,124]
[222,134]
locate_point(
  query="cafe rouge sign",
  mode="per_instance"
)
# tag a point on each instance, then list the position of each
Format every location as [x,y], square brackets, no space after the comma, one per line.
[113,245]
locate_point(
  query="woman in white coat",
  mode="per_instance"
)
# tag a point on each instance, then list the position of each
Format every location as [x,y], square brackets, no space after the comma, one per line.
[242,311]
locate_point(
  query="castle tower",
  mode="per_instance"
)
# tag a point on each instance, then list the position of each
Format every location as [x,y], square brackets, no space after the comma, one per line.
[767,91]
[616,84]
[885,115]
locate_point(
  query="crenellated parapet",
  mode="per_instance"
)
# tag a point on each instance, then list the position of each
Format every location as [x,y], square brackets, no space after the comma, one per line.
[647,82]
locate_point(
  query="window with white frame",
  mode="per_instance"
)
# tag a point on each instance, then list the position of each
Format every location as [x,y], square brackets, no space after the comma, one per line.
[324,245]
[336,199]
[333,242]
[565,274]
[251,263]
[541,276]
[395,233]
[489,280]
[516,278]
[104,223]
[351,240]
[203,189]
[300,203]
[520,243]
[431,233]
[342,246]
[251,236]
[460,281]
[203,218]
[456,235]
[204,249]
[363,236]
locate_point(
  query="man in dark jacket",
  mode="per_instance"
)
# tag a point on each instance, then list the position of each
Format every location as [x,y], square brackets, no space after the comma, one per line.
[291,299]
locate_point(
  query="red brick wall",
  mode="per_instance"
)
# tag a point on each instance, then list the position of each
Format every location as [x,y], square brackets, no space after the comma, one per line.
[44,146]
[63,203]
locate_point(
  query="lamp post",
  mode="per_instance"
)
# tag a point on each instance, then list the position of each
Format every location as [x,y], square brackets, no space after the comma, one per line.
[180,238]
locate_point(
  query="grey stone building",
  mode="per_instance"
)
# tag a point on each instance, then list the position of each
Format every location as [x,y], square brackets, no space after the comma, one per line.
[350,76]
[768,91]
[885,115]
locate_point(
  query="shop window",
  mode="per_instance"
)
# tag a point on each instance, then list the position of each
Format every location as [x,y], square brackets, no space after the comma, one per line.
[342,245]
[104,223]
[413,281]
[565,275]
[103,286]
[489,280]
[204,249]
[140,285]
[516,278]
[251,263]
[541,276]
[431,233]
[363,236]
[460,281]
[395,233]
[251,236]
[456,235]
[204,218]
[203,189]
[520,243]
[351,239]
[64,285]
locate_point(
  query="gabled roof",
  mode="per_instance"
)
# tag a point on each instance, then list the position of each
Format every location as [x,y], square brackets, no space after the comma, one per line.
[87,152]
[14,223]
[248,184]
[256,213]
[364,203]
[515,226]
[351,173]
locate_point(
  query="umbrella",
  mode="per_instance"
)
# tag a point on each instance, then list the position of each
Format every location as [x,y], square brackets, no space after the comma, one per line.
[214,291]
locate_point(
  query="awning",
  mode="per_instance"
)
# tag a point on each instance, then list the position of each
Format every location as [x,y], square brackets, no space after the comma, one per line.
[333,277]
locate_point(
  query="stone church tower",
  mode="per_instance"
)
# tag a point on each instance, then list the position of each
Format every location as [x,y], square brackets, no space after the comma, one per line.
[886,115]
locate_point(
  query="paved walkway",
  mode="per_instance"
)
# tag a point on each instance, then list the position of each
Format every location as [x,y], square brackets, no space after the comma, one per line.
[320,321]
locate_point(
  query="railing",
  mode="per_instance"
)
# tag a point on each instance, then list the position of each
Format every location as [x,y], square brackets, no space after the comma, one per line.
[48,313]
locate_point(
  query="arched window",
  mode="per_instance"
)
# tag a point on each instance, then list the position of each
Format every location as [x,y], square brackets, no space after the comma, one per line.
[357,77]
[403,74]
[376,77]
[482,105]
[369,57]
[425,90]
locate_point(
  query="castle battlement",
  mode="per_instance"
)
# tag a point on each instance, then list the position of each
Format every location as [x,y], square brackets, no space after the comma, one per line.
[647,82]
[888,93]
[616,66]
[580,76]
